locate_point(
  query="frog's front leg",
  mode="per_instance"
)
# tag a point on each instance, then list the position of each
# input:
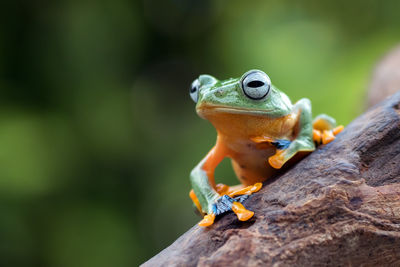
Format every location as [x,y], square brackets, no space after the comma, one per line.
[304,139]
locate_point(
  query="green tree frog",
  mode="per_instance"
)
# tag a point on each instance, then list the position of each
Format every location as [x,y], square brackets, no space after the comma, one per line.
[259,129]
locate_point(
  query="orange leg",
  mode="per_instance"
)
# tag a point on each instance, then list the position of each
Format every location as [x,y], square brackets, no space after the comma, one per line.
[213,158]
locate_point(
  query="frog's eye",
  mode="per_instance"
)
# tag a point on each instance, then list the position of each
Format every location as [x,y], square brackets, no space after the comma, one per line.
[256,84]
[194,90]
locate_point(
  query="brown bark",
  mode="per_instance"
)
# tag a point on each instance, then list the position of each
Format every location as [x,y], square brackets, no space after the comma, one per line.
[340,206]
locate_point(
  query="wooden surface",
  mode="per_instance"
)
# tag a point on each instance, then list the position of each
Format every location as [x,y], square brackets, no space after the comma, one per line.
[340,206]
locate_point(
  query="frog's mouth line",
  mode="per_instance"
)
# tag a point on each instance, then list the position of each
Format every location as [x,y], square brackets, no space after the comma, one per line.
[231,110]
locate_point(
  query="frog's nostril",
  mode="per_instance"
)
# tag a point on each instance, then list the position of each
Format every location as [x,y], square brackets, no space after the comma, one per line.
[255,84]
[219,92]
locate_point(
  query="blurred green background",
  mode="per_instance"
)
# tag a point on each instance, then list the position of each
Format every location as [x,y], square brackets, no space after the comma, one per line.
[98,133]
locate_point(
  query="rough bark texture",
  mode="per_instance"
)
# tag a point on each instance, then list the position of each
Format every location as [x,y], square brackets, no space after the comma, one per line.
[340,206]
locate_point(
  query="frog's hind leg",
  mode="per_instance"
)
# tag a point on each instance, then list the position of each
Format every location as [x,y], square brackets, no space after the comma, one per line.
[324,129]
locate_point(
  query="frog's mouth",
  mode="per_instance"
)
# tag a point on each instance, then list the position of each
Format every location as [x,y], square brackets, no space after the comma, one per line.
[203,111]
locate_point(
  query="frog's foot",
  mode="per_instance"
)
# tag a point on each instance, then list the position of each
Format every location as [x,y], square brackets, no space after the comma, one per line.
[277,160]
[207,220]
[324,130]
[241,212]
[326,136]
[281,154]
[284,153]
[225,204]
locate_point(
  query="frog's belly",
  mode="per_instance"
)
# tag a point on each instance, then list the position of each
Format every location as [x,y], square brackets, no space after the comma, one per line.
[252,165]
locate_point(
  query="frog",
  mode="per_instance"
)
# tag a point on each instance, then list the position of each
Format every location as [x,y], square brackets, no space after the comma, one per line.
[259,129]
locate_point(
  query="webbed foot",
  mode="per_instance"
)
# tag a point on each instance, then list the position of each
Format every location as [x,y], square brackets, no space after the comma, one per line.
[326,136]
[230,201]
[225,204]
[237,190]
[207,220]
[241,212]
[248,190]
[277,160]
[281,156]
[325,130]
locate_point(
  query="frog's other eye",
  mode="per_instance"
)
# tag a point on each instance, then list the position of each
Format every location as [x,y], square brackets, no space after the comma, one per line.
[194,90]
[256,84]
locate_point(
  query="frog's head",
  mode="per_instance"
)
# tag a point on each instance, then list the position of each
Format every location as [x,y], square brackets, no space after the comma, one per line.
[252,94]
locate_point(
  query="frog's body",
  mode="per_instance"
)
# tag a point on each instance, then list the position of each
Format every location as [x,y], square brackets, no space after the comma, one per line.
[235,133]
[258,128]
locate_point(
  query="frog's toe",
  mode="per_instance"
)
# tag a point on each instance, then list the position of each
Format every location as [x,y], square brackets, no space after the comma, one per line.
[222,189]
[330,135]
[227,203]
[317,136]
[241,212]
[327,137]
[248,190]
[224,203]
[338,130]
[207,220]
[277,160]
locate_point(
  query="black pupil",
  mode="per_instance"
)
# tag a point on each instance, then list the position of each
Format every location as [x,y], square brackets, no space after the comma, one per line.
[255,84]
[193,89]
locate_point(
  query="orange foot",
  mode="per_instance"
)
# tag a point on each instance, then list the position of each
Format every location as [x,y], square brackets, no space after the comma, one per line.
[277,160]
[326,136]
[237,190]
[248,190]
[241,212]
[207,220]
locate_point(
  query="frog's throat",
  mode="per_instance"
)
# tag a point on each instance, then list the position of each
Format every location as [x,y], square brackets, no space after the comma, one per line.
[203,111]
